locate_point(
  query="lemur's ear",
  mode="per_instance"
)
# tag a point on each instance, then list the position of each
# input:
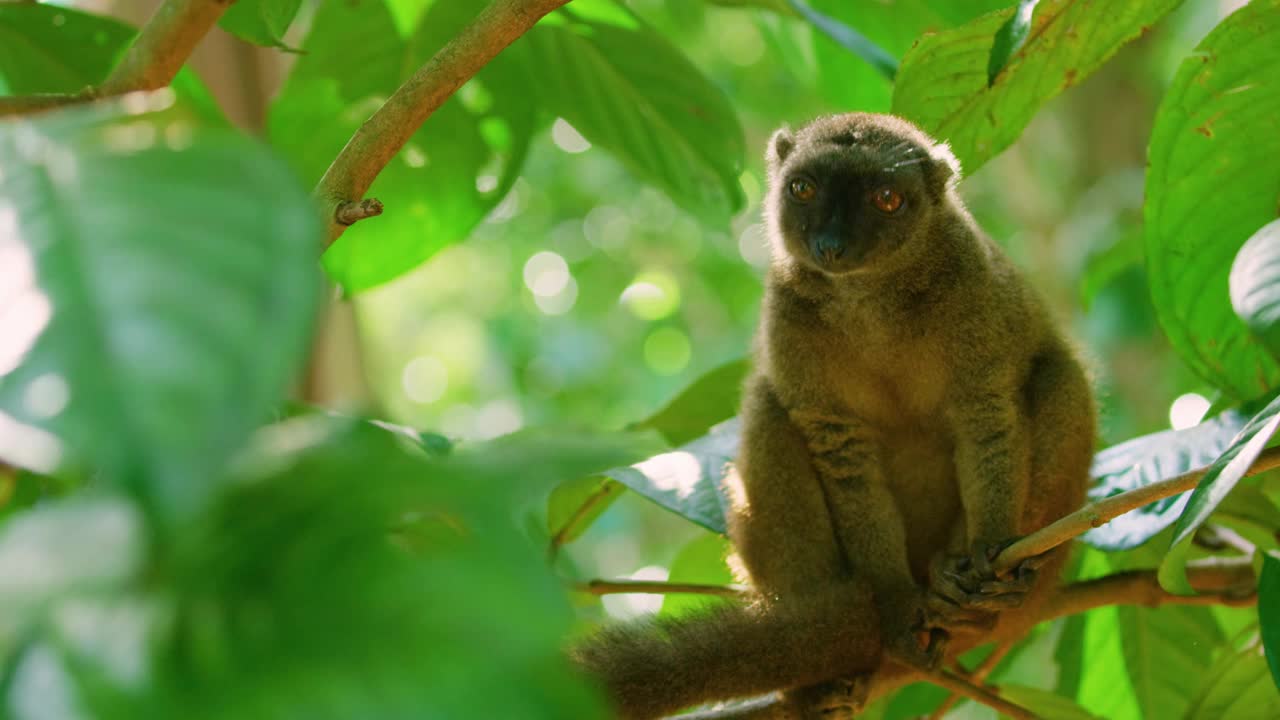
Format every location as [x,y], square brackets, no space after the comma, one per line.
[780,146]
[944,166]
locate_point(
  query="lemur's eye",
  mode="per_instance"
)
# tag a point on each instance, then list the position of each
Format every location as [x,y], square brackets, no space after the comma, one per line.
[886,200]
[802,190]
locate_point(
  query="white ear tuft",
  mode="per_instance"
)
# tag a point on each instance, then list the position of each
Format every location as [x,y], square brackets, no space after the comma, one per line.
[942,155]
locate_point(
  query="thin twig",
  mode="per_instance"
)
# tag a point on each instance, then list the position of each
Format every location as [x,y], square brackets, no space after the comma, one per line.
[1099,513]
[979,676]
[1220,584]
[607,488]
[382,135]
[615,587]
[156,55]
[960,686]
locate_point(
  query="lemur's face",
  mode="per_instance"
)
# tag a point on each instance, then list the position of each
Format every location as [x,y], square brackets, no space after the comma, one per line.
[848,191]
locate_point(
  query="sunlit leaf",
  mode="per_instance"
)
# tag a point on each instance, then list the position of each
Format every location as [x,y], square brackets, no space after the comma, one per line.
[942,82]
[1218,481]
[1207,194]
[1162,648]
[262,22]
[711,399]
[166,283]
[1152,458]
[1255,285]
[626,89]
[687,480]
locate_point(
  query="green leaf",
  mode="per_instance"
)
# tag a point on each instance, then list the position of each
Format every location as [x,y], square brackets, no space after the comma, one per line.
[942,82]
[701,561]
[355,58]
[1249,504]
[54,49]
[686,481]
[262,22]
[574,506]
[1163,647]
[628,90]
[849,38]
[1237,686]
[1218,481]
[711,399]
[1010,38]
[1207,194]
[1044,703]
[1148,459]
[1255,285]
[166,285]
[1269,612]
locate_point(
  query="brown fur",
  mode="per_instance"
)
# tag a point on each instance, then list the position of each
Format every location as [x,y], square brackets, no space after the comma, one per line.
[912,403]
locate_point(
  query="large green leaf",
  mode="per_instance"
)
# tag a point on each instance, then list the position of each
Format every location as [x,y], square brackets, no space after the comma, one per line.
[1269,612]
[1207,193]
[711,399]
[942,83]
[1045,704]
[161,284]
[1255,285]
[434,190]
[1217,482]
[628,90]
[1162,648]
[54,49]
[262,22]
[1152,458]
[1237,686]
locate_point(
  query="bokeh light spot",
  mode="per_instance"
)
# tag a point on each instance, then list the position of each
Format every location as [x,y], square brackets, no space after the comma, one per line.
[667,351]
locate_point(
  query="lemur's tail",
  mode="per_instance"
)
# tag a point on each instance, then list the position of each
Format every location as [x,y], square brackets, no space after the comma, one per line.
[655,667]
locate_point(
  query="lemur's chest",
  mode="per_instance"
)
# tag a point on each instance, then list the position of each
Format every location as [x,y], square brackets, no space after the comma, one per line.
[890,375]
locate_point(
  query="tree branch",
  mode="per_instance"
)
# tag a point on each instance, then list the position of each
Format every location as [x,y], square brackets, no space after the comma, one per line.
[978,676]
[1098,513]
[958,685]
[615,587]
[1228,585]
[382,135]
[156,55]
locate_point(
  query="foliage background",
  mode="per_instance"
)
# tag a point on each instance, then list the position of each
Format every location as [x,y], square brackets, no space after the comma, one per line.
[583,300]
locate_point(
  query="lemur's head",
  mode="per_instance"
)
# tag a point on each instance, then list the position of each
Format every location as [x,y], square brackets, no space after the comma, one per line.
[847,191]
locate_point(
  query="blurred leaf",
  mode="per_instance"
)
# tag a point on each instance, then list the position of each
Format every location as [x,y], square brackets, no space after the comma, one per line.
[1104,687]
[354,59]
[686,481]
[626,89]
[1236,686]
[701,561]
[1221,477]
[1249,504]
[849,38]
[1255,285]
[1269,612]
[1206,195]
[1152,458]
[169,288]
[1010,38]
[574,506]
[712,398]
[942,82]
[1044,703]
[54,49]
[1102,268]
[1163,647]
[70,549]
[262,22]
